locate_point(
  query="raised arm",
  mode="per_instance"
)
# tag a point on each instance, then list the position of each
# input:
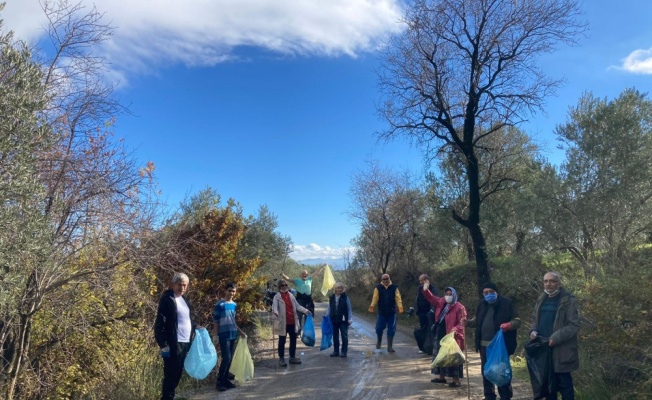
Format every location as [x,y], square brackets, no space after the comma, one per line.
[317,273]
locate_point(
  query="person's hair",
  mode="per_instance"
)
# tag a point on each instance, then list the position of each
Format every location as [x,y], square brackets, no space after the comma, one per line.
[555,274]
[231,285]
[179,277]
[281,282]
[425,276]
[338,284]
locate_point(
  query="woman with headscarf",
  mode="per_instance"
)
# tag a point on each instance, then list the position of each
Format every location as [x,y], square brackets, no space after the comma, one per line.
[450,316]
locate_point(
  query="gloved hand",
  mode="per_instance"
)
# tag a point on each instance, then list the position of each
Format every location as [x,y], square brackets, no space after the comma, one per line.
[371,309]
[506,326]
[165,352]
[534,334]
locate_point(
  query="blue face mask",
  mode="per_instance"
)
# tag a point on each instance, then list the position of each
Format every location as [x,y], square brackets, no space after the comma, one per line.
[491,297]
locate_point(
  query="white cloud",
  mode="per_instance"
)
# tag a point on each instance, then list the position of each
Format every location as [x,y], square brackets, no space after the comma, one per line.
[313,250]
[638,62]
[205,32]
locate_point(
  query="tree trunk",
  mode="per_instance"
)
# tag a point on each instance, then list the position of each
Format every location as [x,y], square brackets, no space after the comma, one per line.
[473,221]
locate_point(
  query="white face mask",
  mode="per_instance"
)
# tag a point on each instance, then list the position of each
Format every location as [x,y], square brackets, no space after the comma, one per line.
[449,299]
[554,292]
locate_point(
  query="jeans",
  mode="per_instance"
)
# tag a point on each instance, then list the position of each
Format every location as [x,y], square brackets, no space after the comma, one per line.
[505,391]
[343,329]
[289,329]
[172,370]
[227,346]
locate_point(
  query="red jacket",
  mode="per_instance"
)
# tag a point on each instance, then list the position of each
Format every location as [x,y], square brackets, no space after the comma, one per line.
[455,319]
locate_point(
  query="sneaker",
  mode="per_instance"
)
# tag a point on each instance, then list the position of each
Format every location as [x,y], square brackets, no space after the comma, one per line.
[295,360]
[454,384]
[421,352]
[229,385]
[220,387]
[282,362]
[335,354]
[343,355]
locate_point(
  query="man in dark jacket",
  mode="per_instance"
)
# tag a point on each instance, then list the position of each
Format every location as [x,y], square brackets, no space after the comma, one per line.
[388,299]
[557,318]
[174,330]
[495,312]
[422,305]
[424,335]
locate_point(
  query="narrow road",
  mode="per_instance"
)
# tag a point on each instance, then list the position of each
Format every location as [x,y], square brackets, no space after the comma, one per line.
[367,373]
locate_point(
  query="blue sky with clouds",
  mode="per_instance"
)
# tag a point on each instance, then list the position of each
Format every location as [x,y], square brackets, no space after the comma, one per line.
[273,102]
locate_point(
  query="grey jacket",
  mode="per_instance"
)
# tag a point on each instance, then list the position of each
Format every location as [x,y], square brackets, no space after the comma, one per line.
[565,353]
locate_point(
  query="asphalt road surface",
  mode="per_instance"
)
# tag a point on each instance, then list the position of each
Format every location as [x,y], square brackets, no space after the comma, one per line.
[367,373]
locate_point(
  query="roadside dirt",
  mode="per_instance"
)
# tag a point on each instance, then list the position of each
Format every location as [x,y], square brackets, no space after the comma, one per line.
[367,373]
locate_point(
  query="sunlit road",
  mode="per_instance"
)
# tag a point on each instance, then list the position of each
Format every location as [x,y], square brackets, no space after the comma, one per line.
[367,373]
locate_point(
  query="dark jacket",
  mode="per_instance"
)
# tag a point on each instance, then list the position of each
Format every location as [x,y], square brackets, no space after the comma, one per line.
[341,313]
[165,326]
[386,298]
[565,352]
[422,305]
[503,312]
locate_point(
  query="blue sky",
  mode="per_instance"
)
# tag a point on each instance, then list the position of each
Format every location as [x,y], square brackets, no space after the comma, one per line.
[273,102]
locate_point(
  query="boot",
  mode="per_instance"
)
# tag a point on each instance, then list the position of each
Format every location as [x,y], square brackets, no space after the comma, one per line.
[390,341]
[380,340]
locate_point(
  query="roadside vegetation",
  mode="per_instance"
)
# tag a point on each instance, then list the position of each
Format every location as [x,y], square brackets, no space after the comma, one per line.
[87,246]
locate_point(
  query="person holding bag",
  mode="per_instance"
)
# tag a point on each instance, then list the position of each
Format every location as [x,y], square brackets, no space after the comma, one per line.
[226,330]
[450,316]
[174,331]
[340,312]
[286,321]
[494,313]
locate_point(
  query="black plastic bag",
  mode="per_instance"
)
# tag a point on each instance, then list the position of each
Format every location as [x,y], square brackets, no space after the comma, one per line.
[425,339]
[539,364]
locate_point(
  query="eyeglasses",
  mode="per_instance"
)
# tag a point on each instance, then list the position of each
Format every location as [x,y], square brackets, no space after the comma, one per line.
[282,285]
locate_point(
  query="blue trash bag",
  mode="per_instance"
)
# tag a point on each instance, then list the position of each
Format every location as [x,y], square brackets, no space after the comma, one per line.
[202,357]
[308,336]
[326,333]
[497,369]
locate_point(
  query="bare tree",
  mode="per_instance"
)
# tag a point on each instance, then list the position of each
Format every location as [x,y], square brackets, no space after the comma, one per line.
[91,193]
[464,69]
[388,208]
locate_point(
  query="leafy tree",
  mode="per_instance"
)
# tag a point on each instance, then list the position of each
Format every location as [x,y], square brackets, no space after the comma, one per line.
[461,71]
[78,186]
[25,240]
[206,242]
[606,180]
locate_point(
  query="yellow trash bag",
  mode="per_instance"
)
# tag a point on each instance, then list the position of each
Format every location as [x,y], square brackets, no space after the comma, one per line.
[329,280]
[242,365]
[449,354]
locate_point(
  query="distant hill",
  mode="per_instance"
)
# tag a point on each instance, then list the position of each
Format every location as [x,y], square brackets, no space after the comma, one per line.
[335,263]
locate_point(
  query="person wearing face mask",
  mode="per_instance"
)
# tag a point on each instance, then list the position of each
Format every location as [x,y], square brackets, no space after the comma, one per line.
[557,318]
[341,314]
[450,316]
[286,321]
[495,312]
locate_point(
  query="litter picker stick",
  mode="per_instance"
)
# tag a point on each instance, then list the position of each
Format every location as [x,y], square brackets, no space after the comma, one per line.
[466,355]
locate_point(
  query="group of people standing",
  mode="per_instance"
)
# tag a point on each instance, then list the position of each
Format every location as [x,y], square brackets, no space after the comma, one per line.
[555,319]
